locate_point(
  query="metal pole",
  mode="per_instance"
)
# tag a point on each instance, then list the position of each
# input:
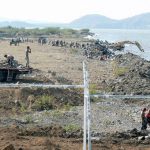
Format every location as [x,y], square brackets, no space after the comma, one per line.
[121,96]
[85,109]
[39,85]
[88,110]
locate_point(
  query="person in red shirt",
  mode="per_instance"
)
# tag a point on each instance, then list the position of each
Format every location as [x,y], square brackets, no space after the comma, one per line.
[148,117]
[144,119]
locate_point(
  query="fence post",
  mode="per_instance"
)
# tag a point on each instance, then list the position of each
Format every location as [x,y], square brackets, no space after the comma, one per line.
[85,110]
[87,115]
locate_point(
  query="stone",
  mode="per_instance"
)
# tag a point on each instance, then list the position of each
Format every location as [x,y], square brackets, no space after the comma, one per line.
[141,138]
[9,147]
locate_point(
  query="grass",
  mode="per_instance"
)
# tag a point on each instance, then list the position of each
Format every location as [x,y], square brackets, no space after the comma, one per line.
[107,122]
[67,107]
[44,102]
[23,107]
[39,59]
[119,70]
[29,119]
[57,113]
[71,128]
[63,80]
[93,88]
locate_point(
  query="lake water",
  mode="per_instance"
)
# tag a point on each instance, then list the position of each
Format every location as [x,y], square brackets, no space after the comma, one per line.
[114,35]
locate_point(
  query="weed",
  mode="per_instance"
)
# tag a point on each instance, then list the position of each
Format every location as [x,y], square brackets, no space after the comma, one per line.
[45,102]
[107,122]
[14,110]
[53,73]
[71,128]
[94,99]
[29,119]
[93,88]
[56,113]
[67,107]
[119,71]
[63,80]
[23,107]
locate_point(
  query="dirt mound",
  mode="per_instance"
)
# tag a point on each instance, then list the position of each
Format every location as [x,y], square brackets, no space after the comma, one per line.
[51,131]
[132,75]
[39,99]
[48,138]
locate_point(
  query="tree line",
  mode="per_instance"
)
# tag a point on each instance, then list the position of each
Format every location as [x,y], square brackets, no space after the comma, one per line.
[13,31]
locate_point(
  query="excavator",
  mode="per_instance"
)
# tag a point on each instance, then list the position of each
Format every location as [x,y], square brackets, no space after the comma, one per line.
[121,45]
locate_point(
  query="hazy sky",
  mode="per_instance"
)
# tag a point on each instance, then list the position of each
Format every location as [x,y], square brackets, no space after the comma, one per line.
[68,10]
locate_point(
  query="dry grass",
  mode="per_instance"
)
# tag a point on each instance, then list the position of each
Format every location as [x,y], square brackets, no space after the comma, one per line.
[56,59]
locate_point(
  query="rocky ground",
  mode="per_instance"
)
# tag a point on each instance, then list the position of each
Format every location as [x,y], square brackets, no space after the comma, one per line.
[52,119]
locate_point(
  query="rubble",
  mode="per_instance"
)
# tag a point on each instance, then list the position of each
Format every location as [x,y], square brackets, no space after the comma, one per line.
[135,77]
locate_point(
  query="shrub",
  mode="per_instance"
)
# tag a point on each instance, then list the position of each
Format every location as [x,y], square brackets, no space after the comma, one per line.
[67,107]
[93,88]
[120,71]
[29,119]
[57,113]
[45,102]
[63,80]
[71,128]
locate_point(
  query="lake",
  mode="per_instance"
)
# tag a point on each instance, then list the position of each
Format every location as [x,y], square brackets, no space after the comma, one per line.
[114,35]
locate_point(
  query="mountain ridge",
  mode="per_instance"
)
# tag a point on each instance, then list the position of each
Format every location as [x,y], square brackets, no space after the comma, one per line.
[141,21]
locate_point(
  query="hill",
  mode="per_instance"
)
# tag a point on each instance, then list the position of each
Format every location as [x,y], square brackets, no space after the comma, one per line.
[141,21]
[92,21]
[97,21]
[136,22]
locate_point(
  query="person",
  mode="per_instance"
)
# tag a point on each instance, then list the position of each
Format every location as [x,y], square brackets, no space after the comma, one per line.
[148,117]
[10,59]
[28,50]
[144,119]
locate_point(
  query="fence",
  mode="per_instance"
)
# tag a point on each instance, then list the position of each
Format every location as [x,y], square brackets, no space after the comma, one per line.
[87,95]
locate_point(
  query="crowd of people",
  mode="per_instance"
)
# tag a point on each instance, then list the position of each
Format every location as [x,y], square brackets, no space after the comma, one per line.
[91,49]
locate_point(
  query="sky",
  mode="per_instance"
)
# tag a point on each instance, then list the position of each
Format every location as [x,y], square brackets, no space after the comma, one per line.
[65,11]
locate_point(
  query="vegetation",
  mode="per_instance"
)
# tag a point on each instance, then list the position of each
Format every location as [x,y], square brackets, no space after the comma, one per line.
[45,102]
[71,128]
[67,107]
[12,31]
[119,70]
[57,113]
[63,80]
[29,119]
[93,88]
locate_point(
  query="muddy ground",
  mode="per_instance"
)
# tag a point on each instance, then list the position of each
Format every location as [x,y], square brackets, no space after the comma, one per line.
[52,119]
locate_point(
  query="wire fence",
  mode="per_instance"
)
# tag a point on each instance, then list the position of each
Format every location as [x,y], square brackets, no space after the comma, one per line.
[87,103]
